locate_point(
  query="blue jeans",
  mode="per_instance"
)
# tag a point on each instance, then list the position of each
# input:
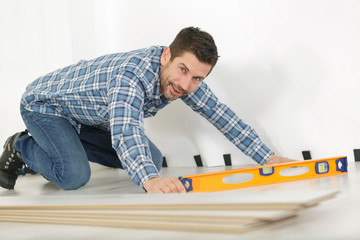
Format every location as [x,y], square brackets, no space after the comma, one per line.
[61,155]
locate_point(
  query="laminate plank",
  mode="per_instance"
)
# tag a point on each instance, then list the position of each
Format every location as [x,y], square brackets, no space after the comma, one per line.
[142,224]
[227,200]
[191,216]
[106,183]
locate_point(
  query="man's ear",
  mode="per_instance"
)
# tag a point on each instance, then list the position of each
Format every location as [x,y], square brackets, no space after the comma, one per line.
[166,56]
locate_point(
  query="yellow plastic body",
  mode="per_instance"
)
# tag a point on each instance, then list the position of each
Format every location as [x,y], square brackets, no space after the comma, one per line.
[209,182]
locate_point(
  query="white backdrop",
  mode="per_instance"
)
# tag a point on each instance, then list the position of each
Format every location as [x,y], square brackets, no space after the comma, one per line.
[289,68]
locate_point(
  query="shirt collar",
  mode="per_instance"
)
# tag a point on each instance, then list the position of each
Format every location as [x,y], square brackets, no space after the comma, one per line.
[160,99]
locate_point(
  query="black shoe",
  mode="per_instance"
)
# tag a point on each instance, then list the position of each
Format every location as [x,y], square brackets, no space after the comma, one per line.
[10,162]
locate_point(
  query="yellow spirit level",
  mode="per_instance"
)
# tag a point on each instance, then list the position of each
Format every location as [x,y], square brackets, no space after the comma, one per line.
[269,174]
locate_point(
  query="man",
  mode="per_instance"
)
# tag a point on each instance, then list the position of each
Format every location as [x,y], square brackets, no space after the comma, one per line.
[94,111]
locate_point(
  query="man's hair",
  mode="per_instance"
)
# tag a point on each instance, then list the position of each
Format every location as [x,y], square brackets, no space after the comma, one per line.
[198,42]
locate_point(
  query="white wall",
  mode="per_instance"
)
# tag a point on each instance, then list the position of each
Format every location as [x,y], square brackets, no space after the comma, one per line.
[288,68]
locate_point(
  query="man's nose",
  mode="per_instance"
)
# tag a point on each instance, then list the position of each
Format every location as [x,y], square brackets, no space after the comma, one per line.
[185,83]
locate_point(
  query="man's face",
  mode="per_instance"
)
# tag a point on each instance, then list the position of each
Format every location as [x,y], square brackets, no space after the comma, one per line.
[182,75]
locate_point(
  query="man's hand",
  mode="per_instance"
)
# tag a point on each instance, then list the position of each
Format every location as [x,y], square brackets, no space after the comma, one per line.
[164,185]
[277,160]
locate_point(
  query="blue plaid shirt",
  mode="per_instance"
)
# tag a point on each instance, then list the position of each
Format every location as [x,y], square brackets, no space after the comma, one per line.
[116,92]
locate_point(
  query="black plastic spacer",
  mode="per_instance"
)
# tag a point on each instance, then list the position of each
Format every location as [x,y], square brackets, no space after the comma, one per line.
[227,159]
[164,163]
[306,155]
[198,161]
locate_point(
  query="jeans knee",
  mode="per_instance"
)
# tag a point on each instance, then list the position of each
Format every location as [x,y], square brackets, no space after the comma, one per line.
[74,179]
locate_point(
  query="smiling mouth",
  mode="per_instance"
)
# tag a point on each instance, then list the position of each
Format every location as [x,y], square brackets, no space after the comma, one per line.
[174,90]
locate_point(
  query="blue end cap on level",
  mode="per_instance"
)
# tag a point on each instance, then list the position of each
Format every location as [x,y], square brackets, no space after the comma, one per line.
[342,164]
[187,182]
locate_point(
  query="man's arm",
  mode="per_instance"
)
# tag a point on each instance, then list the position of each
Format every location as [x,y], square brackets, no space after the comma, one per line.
[127,127]
[128,137]
[204,102]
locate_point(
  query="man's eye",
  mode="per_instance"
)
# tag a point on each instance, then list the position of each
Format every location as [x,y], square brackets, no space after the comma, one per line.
[182,69]
[197,78]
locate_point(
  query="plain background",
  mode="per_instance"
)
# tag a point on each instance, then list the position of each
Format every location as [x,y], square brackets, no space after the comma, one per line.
[288,68]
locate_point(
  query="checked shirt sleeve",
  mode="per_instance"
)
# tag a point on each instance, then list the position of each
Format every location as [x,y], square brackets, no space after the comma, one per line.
[127,128]
[224,119]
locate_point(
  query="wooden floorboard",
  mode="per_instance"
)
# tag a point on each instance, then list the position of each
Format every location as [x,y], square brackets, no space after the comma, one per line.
[110,197]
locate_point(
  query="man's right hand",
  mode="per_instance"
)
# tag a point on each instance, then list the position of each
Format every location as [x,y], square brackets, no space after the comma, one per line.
[164,185]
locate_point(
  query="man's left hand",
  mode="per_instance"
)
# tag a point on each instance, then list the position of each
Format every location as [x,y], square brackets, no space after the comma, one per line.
[278,160]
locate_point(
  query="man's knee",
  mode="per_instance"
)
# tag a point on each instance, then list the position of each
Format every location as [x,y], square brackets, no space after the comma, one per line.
[72,179]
